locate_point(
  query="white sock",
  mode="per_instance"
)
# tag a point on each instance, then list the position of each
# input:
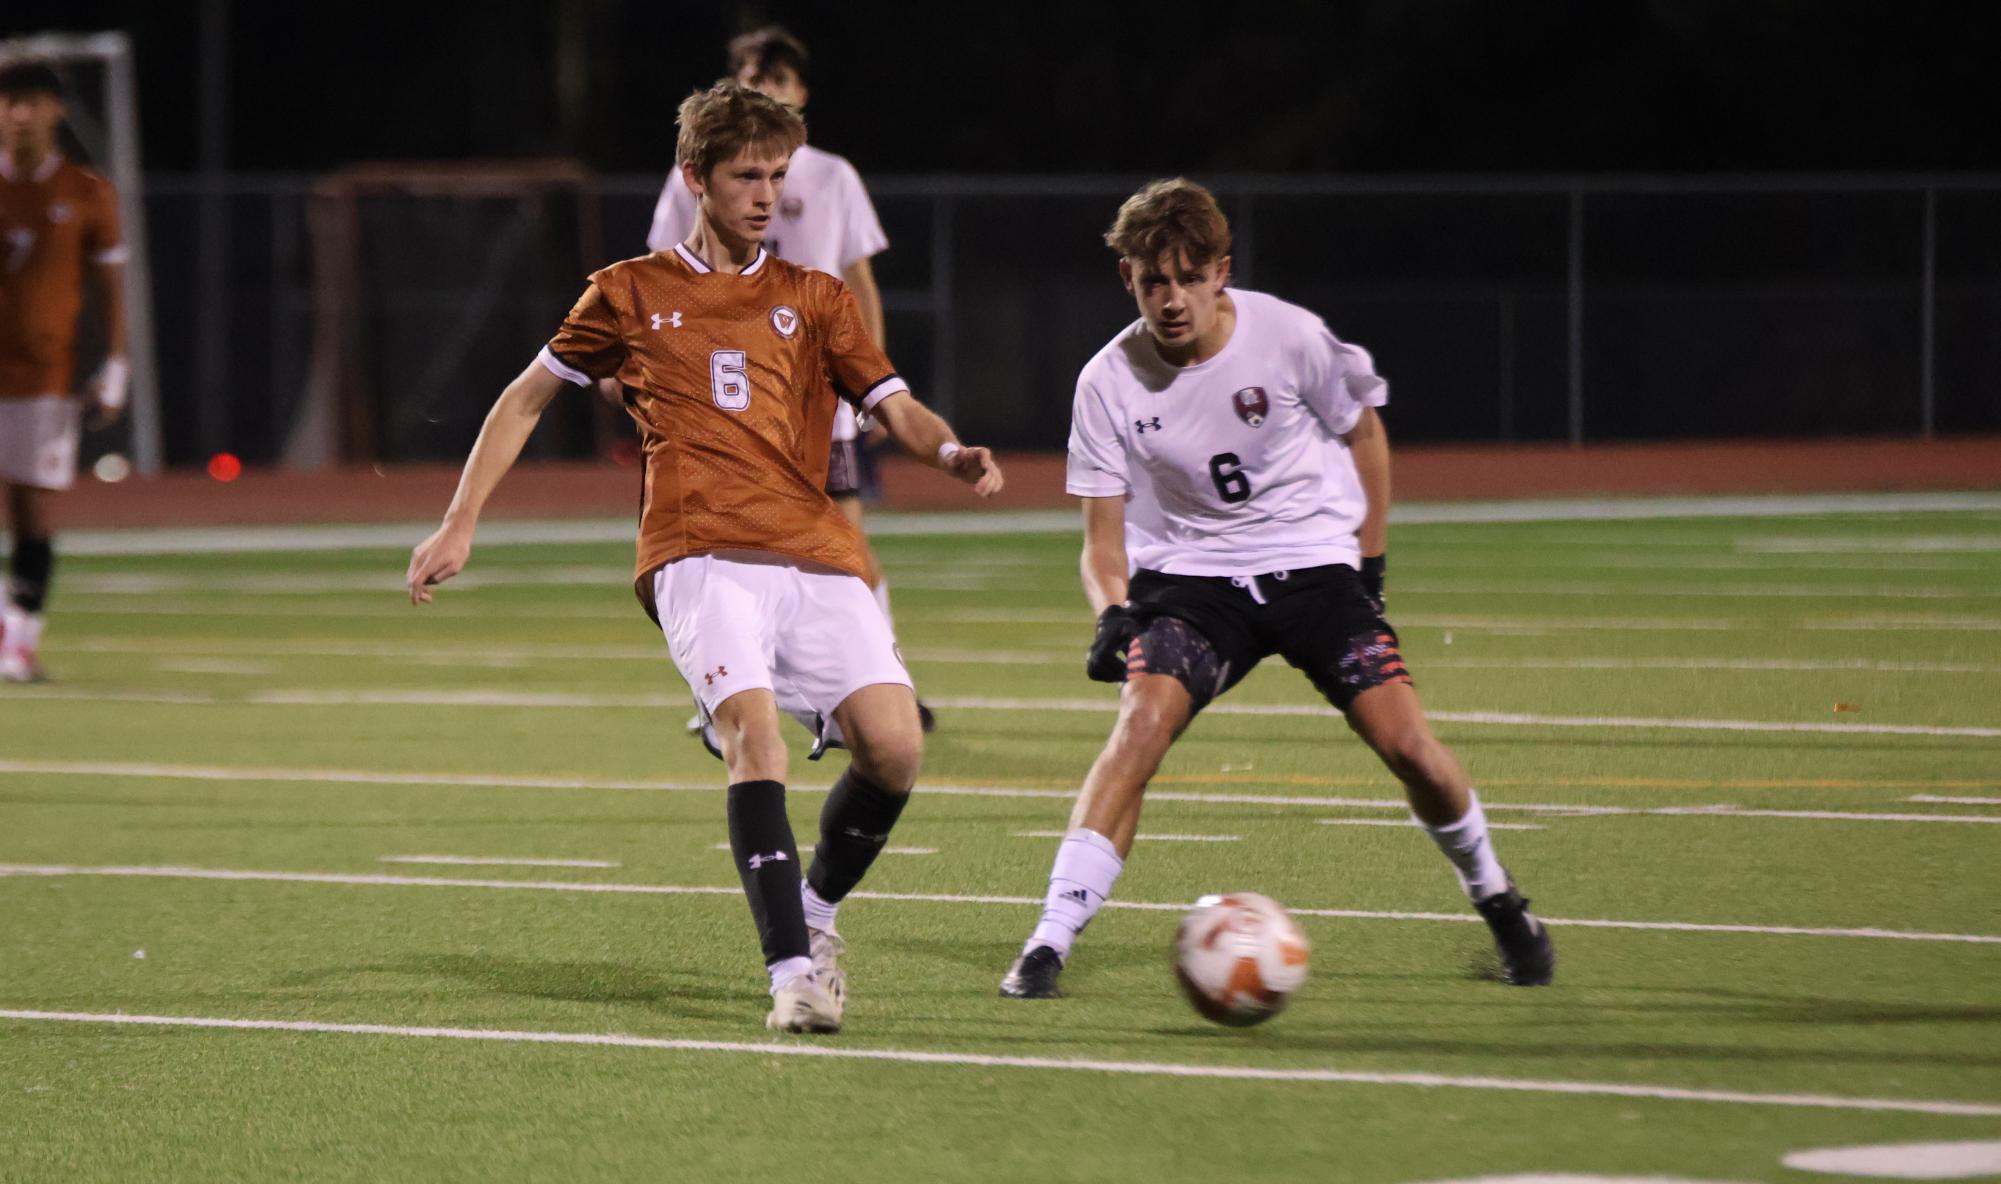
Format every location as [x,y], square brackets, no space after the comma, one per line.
[20,630]
[882,597]
[786,969]
[1466,844]
[1087,865]
[819,913]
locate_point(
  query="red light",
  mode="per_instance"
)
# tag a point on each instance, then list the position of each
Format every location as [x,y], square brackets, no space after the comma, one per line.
[224,466]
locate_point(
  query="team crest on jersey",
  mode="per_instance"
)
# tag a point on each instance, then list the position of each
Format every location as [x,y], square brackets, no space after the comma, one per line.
[1251,405]
[792,208]
[785,321]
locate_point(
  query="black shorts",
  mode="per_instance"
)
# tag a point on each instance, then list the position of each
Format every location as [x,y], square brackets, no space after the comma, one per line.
[1318,619]
[844,469]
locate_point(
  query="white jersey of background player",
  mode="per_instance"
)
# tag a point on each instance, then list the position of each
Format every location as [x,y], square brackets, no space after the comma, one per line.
[1268,412]
[826,222]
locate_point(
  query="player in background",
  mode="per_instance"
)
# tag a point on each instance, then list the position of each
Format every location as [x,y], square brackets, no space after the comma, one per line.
[825,222]
[1235,478]
[730,363]
[58,227]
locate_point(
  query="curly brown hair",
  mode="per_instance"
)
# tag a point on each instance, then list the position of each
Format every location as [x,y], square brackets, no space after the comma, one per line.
[1167,218]
[719,123]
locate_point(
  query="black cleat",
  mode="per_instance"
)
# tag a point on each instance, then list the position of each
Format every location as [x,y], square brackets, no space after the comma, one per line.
[1528,956]
[1033,975]
[926,720]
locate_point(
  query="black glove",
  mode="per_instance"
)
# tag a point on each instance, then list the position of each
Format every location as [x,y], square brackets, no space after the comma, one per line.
[1373,569]
[1106,661]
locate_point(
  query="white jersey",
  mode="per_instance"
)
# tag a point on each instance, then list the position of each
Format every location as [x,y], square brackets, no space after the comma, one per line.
[825,222]
[1236,465]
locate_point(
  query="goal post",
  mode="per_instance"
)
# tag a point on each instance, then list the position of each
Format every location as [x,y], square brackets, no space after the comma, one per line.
[101,105]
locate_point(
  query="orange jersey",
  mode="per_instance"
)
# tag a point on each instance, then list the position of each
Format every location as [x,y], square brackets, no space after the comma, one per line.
[732,380]
[54,225]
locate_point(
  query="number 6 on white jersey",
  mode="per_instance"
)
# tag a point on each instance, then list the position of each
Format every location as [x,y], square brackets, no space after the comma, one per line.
[727,380]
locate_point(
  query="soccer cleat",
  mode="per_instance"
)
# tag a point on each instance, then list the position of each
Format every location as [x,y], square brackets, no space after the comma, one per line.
[1528,956]
[804,1004]
[1033,975]
[826,948]
[21,666]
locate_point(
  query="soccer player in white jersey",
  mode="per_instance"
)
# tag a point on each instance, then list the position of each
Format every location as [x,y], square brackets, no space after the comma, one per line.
[1235,477]
[826,222]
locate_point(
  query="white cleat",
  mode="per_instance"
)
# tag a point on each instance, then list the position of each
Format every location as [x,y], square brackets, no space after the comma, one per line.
[804,1005]
[20,666]
[826,947]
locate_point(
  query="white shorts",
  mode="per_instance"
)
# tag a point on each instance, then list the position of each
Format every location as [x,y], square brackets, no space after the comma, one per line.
[739,621]
[38,440]
[845,426]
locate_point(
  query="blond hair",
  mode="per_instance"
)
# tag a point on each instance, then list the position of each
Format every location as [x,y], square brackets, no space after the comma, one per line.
[1166,219]
[721,122]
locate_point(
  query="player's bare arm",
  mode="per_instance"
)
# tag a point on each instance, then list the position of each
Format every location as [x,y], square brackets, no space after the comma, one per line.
[109,386]
[507,428]
[922,433]
[860,278]
[1103,565]
[1369,445]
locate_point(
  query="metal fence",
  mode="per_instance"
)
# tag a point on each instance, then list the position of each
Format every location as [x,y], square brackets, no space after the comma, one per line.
[1501,309]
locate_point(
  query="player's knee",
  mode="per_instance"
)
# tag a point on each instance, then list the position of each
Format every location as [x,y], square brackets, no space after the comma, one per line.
[1153,712]
[892,760]
[1410,753]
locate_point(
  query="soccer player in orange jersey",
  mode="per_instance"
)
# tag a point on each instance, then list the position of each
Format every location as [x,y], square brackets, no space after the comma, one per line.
[58,224]
[731,361]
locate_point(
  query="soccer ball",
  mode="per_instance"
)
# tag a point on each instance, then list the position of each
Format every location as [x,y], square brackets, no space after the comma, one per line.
[1239,958]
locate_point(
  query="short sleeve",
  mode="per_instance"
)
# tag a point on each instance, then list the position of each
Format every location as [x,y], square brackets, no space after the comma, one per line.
[588,346]
[861,231]
[1096,466]
[103,241]
[1337,380]
[673,214]
[861,371]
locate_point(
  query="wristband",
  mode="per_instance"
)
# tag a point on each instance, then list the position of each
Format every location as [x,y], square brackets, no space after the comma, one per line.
[946,452]
[112,379]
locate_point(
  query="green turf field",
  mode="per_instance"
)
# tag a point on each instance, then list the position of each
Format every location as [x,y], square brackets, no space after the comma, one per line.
[1772,937]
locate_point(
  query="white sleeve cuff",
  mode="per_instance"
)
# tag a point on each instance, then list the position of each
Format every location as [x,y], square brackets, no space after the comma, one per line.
[893,385]
[562,369]
[1095,485]
[110,255]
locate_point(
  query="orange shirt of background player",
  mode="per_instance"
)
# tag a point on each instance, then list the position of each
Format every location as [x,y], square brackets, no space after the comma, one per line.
[732,381]
[53,226]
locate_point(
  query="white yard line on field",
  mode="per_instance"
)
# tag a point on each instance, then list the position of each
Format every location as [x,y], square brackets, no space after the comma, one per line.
[1937,799]
[1144,838]
[372,880]
[1060,1064]
[885,850]
[145,771]
[1406,822]
[494,861]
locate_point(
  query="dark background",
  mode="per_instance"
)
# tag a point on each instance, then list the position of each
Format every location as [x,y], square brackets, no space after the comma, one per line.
[1755,182]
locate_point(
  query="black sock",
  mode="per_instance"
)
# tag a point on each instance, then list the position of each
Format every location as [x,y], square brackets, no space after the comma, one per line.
[854,825]
[28,572]
[768,861]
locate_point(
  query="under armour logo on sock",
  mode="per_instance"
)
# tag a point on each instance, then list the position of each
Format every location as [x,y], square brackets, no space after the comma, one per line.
[758,861]
[864,836]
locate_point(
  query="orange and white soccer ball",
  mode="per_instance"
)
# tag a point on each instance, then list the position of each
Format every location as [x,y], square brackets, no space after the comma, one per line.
[1239,958]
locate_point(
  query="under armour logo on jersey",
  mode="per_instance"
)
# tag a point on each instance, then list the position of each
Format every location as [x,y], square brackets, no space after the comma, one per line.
[673,321]
[758,861]
[1143,426]
[719,672]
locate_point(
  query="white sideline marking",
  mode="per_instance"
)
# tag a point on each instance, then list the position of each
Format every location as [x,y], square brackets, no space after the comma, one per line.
[885,851]
[1576,1178]
[1062,834]
[986,1061]
[1942,800]
[1675,592]
[501,781]
[479,861]
[1872,544]
[1775,664]
[1902,1161]
[373,880]
[1406,822]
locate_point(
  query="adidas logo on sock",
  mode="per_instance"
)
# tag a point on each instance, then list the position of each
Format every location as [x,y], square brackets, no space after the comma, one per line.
[1081,896]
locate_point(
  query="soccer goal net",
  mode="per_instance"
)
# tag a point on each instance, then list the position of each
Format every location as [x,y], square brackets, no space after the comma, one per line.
[101,131]
[433,285]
